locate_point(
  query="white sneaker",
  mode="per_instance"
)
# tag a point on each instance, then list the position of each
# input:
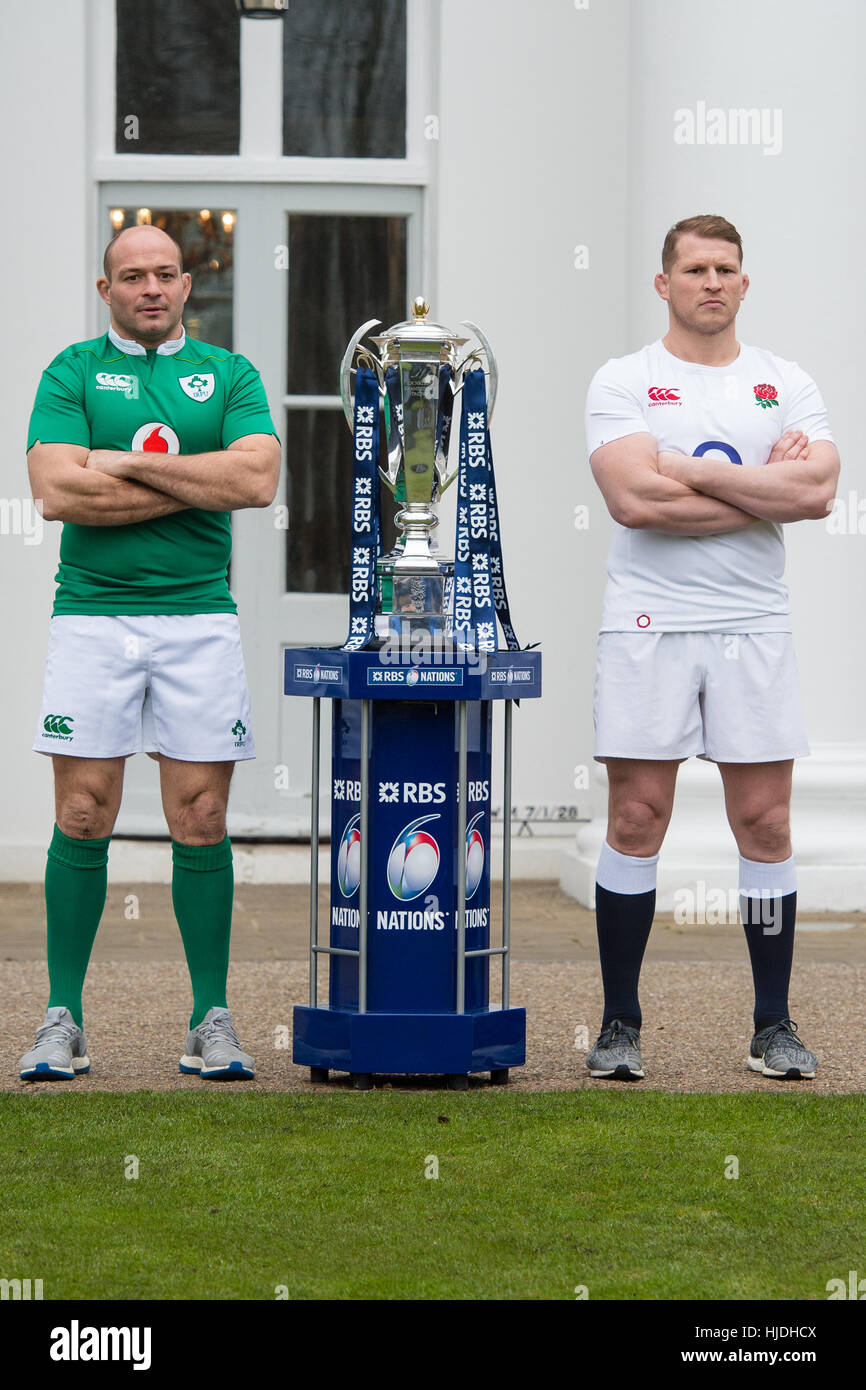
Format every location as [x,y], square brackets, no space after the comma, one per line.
[60,1050]
[213,1050]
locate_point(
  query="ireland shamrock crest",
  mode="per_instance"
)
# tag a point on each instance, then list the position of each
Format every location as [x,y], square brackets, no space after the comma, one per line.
[766,396]
[198,387]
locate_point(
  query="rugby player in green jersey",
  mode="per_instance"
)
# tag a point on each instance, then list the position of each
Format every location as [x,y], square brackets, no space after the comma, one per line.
[142,442]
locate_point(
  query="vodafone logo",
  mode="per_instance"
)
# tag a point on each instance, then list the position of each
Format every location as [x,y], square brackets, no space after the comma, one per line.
[643,620]
[155,438]
[663,395]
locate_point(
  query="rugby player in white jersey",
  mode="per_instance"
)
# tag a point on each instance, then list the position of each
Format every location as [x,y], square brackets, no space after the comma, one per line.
[702,447]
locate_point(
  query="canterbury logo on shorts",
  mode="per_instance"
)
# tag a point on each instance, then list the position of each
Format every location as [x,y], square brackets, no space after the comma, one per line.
[58,724]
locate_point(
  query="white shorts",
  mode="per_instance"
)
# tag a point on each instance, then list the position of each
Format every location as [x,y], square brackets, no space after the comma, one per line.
[171,683]
[726,696]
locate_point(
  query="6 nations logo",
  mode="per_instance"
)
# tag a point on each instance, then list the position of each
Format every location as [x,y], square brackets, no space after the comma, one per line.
[512,675]
[349,858]
[414,860]
[318,674]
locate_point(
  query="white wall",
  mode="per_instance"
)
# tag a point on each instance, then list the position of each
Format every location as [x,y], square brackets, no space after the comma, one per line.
[532,162]
[800,212]
[801,216]
[556,130]
[44,231]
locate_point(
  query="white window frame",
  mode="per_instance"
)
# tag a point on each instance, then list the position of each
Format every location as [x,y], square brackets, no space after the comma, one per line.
[374,186]
[260,161]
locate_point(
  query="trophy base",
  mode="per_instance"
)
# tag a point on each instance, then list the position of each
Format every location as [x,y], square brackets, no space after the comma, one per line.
[427,630]
[414,601]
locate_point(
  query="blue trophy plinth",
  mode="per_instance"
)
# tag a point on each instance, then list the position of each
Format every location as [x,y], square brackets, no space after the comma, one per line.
[410,928]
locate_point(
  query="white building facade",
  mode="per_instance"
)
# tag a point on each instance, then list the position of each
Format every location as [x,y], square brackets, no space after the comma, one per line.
[545,149]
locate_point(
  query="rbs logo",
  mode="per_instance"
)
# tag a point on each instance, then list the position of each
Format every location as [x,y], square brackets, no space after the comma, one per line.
[417,793]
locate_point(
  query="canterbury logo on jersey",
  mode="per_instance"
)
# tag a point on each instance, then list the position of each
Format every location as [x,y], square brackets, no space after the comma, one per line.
[58,724]
[198,387]
[663,395]
[114,381]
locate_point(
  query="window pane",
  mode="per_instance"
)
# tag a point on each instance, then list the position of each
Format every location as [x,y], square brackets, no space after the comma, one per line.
[344,83]
[319,455]
[319,458]
[178,75]
[206,238]
[342,271]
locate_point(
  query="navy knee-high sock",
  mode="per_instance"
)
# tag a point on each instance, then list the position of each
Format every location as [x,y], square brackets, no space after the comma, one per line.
[625,899]
[769,926]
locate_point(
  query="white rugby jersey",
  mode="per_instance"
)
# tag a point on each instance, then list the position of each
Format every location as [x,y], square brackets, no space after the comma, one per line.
[728,583]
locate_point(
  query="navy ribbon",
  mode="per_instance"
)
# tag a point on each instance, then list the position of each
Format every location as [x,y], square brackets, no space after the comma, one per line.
[444,413]
[479,578]
[497,566]
[366,535]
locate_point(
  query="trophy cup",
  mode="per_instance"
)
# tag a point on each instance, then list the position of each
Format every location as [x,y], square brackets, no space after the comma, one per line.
[411,809]
[420,373]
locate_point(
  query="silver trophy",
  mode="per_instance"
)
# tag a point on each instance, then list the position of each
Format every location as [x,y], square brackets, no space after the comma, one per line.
[414,580]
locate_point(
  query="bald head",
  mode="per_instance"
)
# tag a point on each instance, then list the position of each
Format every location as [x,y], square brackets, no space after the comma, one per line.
[139,241]
[144,285]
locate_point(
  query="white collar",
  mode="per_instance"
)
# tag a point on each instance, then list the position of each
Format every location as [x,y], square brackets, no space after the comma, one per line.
[134,349]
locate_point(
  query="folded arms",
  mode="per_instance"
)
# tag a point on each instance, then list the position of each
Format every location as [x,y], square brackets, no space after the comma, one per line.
[682,495]
[106,487]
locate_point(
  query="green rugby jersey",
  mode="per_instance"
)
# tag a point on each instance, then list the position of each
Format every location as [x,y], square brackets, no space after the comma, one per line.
[185,397]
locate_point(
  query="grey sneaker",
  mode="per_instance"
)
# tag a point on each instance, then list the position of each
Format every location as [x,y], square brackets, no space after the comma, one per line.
[777,1051]
[617,1053]
[60,1050]
[213,1050]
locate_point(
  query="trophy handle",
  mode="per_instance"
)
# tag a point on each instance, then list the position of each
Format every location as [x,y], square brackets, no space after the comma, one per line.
[346,368]
[491,363]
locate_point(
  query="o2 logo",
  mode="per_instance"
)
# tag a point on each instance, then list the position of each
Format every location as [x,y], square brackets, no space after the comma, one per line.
[349,858]
[727,449]
[474,855]
[414,860]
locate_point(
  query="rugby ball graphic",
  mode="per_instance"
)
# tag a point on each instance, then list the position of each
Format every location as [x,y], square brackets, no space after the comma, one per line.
[474,855]
[414,860]
[349,858]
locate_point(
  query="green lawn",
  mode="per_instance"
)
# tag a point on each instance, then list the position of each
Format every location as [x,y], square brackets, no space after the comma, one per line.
[624,1192]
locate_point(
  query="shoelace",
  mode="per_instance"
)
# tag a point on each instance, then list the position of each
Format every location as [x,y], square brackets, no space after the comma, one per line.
[222,1027]
[609,1034]
[788,1028]
[55,1032]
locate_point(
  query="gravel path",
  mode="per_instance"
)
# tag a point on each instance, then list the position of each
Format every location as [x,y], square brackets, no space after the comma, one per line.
[695,1037]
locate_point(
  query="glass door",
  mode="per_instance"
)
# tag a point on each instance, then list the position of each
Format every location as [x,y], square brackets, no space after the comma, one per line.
[283,274]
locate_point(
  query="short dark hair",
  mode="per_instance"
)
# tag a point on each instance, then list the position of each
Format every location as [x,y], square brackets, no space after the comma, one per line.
[107,257]
[708,225]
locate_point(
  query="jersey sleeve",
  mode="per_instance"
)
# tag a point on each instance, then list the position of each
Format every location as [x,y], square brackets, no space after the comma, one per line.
[613,408]
[247,410]
[58,415]
[804,407]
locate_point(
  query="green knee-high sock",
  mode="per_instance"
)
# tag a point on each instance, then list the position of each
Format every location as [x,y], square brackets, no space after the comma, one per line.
[202,887]
[76,877]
